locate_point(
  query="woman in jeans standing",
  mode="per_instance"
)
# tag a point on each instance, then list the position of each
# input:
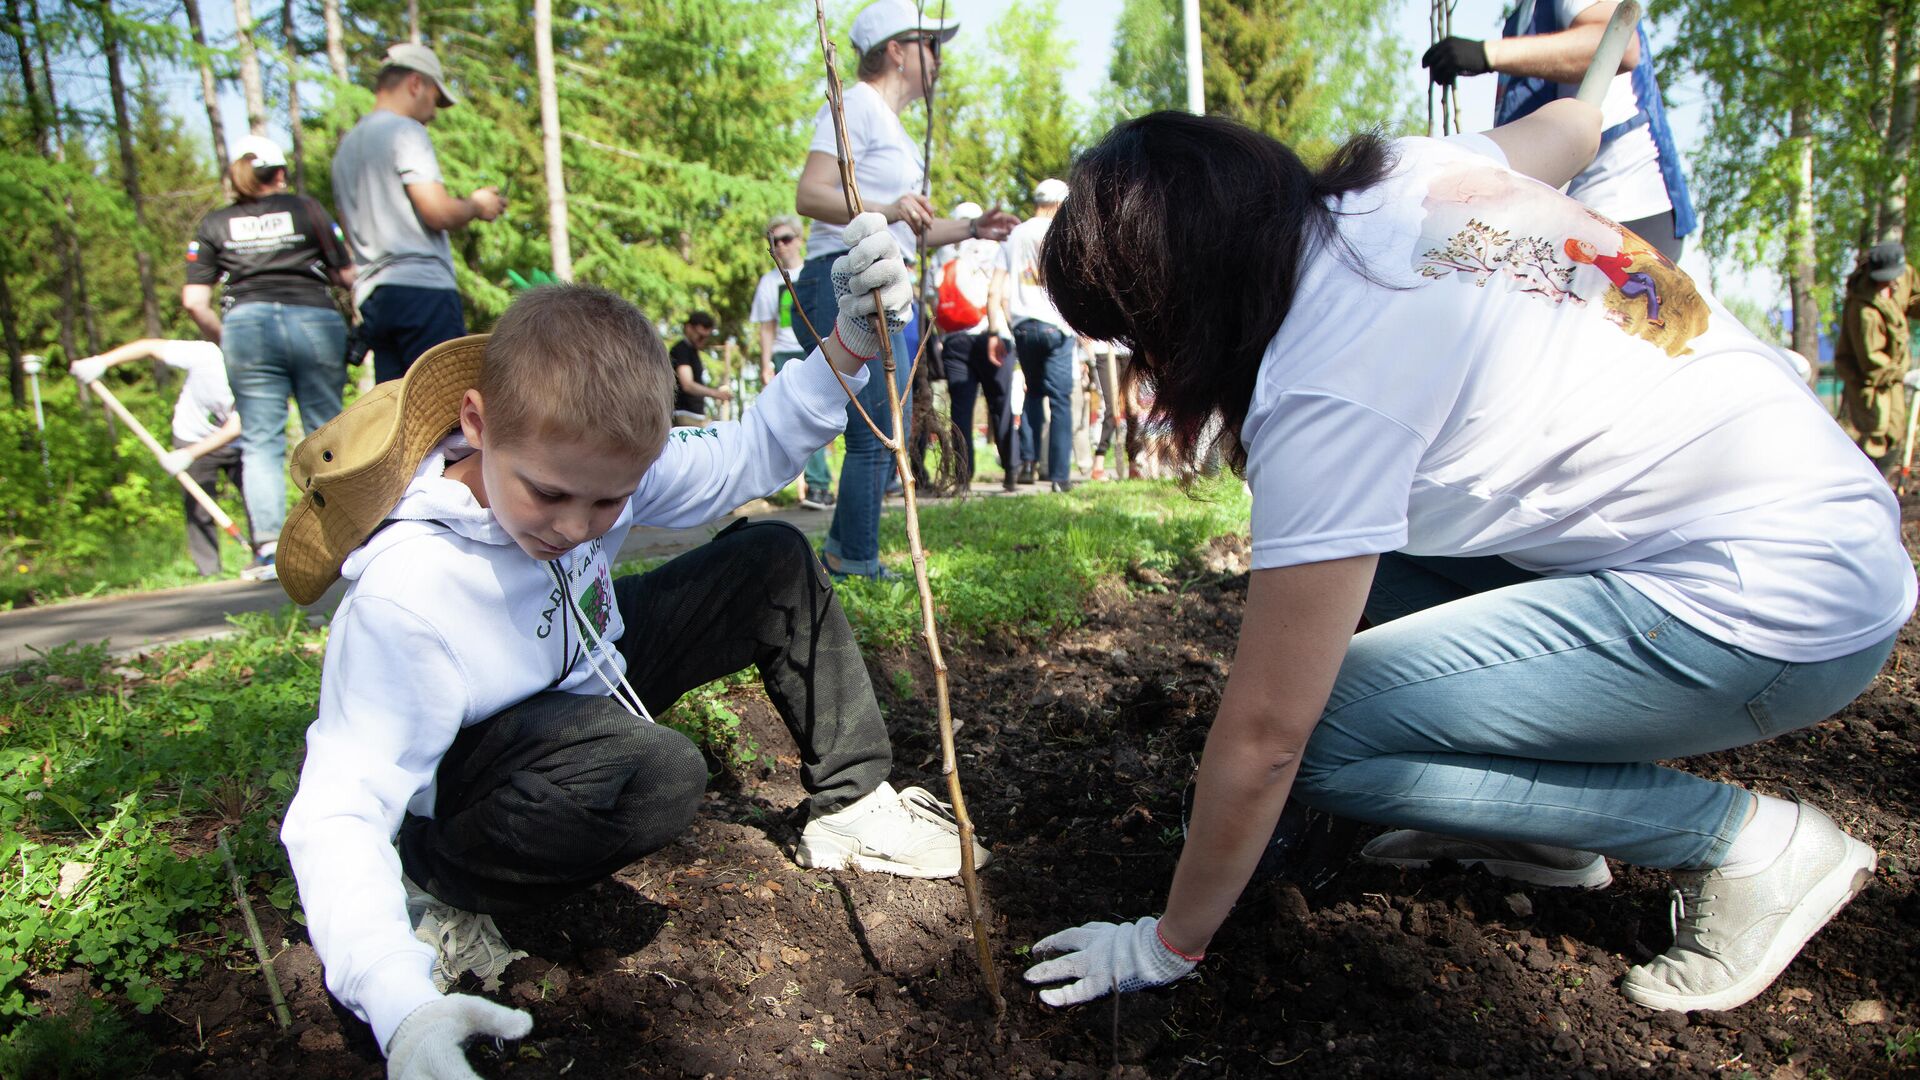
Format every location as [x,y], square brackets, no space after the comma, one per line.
[273,254]
[899,54]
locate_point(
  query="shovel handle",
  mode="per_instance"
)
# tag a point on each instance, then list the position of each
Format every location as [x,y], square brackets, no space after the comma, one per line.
[193,487]
[1614,40]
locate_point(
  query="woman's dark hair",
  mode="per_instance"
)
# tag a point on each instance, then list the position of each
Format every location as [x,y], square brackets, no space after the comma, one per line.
[1184,237]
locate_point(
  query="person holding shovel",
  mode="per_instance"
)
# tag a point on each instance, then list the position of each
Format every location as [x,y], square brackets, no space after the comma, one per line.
[1583,546]
[205,425]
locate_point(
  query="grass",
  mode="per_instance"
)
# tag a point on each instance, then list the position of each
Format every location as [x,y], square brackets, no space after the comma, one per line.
[115,774]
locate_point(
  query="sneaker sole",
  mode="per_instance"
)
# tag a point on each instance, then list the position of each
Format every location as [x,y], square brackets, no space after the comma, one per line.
[1594,875]
[834,857]
[1849,877]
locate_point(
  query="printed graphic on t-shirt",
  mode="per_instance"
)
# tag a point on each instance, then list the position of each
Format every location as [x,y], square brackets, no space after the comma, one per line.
[263,227]
[785,307]
[1485,225]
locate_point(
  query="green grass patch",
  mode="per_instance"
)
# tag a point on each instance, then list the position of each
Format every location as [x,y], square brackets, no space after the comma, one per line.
[116,773]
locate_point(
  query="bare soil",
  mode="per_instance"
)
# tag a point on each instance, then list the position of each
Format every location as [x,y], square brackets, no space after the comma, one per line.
[718,957]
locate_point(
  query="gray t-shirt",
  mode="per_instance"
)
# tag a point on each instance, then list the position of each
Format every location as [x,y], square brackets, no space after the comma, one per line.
[371,170]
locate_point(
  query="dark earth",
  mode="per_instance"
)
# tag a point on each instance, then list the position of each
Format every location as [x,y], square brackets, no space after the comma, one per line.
[719,958]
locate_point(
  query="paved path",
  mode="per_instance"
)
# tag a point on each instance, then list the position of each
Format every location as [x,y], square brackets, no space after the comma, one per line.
[143,620]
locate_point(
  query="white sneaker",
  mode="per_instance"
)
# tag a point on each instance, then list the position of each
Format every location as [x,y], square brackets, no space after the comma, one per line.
[462,941]
[906,832]
[1538,864]
[1733,936]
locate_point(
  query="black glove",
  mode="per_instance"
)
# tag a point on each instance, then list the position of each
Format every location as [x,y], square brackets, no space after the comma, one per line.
[1453,57]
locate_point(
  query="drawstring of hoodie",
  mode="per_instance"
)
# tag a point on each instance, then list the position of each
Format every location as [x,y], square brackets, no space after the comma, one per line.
[631,702]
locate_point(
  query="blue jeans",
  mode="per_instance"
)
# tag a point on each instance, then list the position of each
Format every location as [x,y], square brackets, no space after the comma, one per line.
[275,351]
[399,322]
[818,476]
[1493,703]
[1046,359]
[853,539]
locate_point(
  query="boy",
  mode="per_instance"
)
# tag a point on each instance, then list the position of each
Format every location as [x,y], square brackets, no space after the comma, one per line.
[205,425]
[478,699]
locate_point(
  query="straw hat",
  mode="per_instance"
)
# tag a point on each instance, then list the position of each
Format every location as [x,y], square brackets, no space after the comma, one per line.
[352,471]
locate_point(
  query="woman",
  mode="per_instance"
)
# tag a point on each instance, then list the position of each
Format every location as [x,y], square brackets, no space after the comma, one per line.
[899,54]
[1586,541]
[273,254]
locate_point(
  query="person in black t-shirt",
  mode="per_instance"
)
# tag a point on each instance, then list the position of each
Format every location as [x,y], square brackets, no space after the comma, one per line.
[689,404]
[273,254]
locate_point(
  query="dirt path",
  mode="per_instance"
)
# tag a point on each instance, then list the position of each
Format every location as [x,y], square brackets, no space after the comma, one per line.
[718,957]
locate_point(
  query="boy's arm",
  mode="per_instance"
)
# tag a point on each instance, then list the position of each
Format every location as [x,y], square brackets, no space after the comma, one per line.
[706,472]
[392,697]
[92,367]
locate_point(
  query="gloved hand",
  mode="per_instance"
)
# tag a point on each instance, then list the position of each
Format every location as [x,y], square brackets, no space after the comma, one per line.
[1912,379]
[175,461]
[1102,958]
[88,370]
[1453,57]
[430,1044]
[872,262]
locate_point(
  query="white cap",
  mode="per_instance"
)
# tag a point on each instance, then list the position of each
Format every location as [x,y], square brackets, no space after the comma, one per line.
[967,211]
[881,22]
[1050,192]
[266,153]
[423,60]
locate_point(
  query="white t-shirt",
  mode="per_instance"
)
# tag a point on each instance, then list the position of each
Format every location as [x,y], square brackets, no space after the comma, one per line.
[1020,258]
[773,302]
[205,401]
[886,164]
[1624,181]
[979,256]
[1503,386]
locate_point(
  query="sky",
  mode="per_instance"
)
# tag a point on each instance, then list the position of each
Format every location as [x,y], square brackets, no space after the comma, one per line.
[1089,25]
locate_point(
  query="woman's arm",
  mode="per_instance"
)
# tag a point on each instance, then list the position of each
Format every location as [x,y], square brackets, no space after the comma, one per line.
[1552,144]
[198,300]
[1293,638]
[1562,56]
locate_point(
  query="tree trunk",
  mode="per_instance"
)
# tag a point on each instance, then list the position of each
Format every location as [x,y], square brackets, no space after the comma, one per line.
[293,100]
[1802,259]
[250,83]
[40,116]
[130,170]
[1881,52]
[413,21]
[1892,216]
[557,234]
[74,281]
[16,372]
[336,39]
[209,89]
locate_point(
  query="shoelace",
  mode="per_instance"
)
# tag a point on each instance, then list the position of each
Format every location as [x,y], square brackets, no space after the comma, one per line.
[920,802]
[1678,910]
[467,941]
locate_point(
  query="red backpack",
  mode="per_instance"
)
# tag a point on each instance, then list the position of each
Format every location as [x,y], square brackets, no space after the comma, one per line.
[962,299]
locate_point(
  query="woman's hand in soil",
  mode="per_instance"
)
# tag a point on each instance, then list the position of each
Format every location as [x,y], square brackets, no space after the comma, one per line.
[1104,957]
[430,1044]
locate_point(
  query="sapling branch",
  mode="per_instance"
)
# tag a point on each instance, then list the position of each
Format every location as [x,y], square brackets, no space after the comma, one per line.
[281,1014]
[929,623]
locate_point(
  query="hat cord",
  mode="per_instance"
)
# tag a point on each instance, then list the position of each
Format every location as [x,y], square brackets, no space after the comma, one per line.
[635,707]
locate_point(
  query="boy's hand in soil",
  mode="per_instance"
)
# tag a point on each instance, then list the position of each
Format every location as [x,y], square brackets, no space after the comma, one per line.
[430,1044]
[1103,957]
[872,263]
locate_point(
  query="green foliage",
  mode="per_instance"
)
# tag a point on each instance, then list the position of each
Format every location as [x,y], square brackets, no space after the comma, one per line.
[1148,71]
[704,716]
[98,1044]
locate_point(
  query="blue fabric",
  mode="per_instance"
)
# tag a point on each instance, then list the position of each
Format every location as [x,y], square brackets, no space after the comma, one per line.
[1521,95]
[853,538]
[399,322]
[1493,703]
[1046,359]
[276,351]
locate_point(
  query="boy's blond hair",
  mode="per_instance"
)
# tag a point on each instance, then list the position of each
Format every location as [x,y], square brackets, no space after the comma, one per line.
[576,360]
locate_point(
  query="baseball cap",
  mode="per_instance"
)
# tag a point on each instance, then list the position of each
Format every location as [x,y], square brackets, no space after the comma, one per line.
[421,59]
[967,211]
[1886,261]
[1050,190]
[266,153]
[352,471]
[888,19]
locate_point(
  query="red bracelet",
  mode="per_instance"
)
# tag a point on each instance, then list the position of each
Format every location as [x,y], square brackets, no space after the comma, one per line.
[1169,946]
[849,348]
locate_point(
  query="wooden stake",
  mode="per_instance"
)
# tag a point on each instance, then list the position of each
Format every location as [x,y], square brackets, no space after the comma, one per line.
[281,1014]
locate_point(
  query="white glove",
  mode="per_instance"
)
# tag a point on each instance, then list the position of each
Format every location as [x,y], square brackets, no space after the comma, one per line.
[176,461]
[1912,379]
[430,1044]
[1102,958]
[873,262]
[88,370]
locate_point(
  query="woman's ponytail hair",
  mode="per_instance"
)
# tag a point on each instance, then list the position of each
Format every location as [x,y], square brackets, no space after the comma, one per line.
[1185,237]
[251,180]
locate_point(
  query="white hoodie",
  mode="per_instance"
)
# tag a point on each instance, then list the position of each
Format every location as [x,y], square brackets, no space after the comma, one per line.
[446,621]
